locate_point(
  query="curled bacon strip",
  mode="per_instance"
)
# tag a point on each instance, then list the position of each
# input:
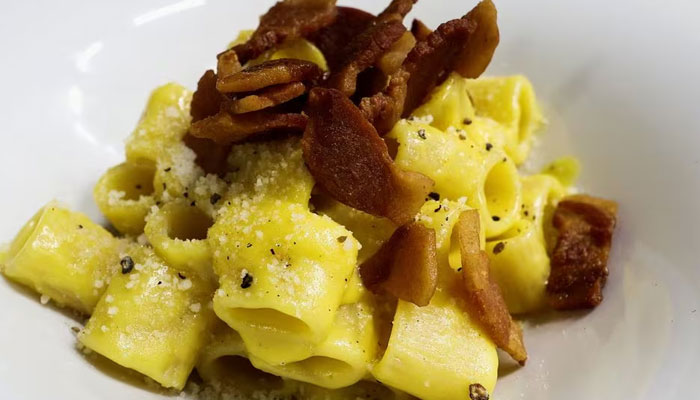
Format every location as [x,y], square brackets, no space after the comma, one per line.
[333,39]
[481,293]
[363,52]
[405,266]
[465,45]
[268,97]
[385,108]
[579,261]
[270,73]
[225,128]
[393,59]
[420,30]
[227,64]
[367,47]
[351,162]
[286,20]
[206,100]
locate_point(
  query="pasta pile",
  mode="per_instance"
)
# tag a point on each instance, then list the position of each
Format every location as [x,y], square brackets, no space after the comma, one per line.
[255,270]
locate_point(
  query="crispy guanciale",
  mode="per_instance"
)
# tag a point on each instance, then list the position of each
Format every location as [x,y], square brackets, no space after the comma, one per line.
[393,58]
[385,108]
[267,97]
[333,39]
[206,100]
[367,47]
[349,160]
[420,30]
[270,73]
[226,128]
[579,261]
[405,266]
[363,52]
[227,64]
[465,45]
[482,295]
[287,20]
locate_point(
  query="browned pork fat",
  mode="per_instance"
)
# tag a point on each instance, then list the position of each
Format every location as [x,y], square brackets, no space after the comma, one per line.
[267,97]
[405,266]
[206,100]
[367,47]
[351,162]
[270,73]
[333,39]
[481,293]
[420,30]
[225,128]
[286,20]
[465,45]
[579,261]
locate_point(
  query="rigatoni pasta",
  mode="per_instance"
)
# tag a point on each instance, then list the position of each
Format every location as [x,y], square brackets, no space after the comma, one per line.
[269,272]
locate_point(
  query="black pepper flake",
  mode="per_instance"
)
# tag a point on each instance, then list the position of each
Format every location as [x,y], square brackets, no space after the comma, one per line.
[489,146]
[192,204]
[179,275]
[158,203]
[499,247]
[249,245]
[247,281]
[478,392]
[75,329]
[459,269]
[228,258]
[160,283]
[80,226]
[168,169]
[434,196]
[186,194]
[462,136]
[214,198]
[138,187]
[496,218]
[467,121]
[165,187]
[526,213]
[272,251]
[421,134]
[438,209]
[342,239]
[127,264]
[505,159]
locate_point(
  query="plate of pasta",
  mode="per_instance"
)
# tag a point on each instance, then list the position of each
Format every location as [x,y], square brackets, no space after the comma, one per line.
[311,199]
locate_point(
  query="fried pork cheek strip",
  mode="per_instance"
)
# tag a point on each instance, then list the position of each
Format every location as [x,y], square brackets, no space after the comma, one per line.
[349,160]
[579,261]
[333,40]
[242,104]
[367,47]
[268,97]
[465,45]
[287,20]
[405,266]
[270,73]
[225,128]
[481,293]
[420,30]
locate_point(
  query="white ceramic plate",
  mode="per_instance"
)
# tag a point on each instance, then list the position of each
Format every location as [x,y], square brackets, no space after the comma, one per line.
[620,81]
